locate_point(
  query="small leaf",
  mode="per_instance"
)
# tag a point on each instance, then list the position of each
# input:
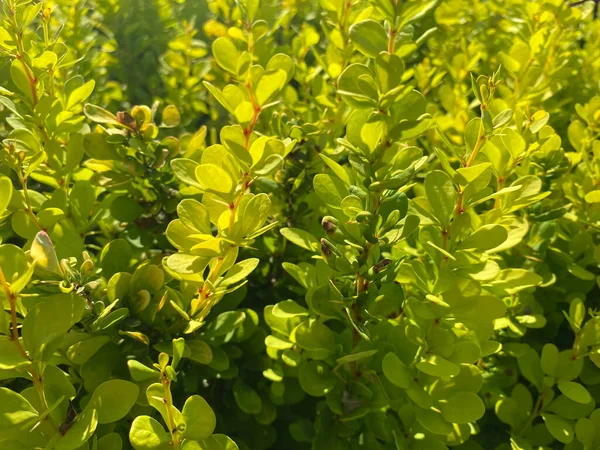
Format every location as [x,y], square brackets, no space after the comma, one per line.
[437,366]
[214,178]
[369,37]
[113,399]
[396,371]
[170,117]
[147,434]
[574,391]
[226,54]
[80,432]
[561,429]
[269,85]
[462,407]
[441,195]
[200,420]
[99,115]
[593,197]
[47,60]
[316,378]
[6,190]
[246,397]
[14,409]
[549,359]
[301,238]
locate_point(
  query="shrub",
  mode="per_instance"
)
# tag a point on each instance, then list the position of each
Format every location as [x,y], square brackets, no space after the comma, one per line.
[327,225]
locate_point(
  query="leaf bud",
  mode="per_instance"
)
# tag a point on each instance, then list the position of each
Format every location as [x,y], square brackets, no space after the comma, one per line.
[163,360]
[331,226]
[364,216]
[87,267]
[140,301]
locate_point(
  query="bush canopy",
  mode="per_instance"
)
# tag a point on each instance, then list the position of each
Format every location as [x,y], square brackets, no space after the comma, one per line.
[299,224]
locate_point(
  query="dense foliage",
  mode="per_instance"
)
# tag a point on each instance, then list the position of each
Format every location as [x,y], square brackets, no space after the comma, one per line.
[299,224]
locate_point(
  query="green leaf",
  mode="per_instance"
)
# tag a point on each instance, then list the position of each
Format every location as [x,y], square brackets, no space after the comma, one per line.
[462,407]
[530,366]
[246,398]
[575,391]
[351,205]
[185,170]
[330,190]
[14,409]
[170,117]
[396,371]
[214,178]
[337,169]
[224,323]
[47,322]
[281,61]
[349,89]
[356,356]
[269,85]
[514,143]
[194,215]
[80,432]
[14,264]
[549,359]
[10,356]
[502,118]
[561,429]
[515,280]
[316,378]
[46,60]
[301,238]
[314,335]
[240,271]
[200,351]
[113,399]
[442,196]
[288,309]
[19,76]
[219,96]
[115,257]
[593,196]
[484,238]
[437,366]
[147,434]
[200,420]
[538,120]
[111,441]
[215,442]
[369,37]
[99,115]
[412,11]
[226,54]
[97,147]
[470,174]
[140,372]
[255,213]
[585,430]
[251,8]
[80,93]
[43,254]
[244,112]
[6,190]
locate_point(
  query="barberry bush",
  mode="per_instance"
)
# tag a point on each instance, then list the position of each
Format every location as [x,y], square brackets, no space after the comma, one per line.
[299,224]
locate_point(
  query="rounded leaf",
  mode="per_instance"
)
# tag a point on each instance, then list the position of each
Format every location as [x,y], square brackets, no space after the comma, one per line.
[463,407]
[147,434]
[113,399]
[200,420]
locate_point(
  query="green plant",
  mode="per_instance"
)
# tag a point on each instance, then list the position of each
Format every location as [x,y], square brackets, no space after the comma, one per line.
[263,224]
